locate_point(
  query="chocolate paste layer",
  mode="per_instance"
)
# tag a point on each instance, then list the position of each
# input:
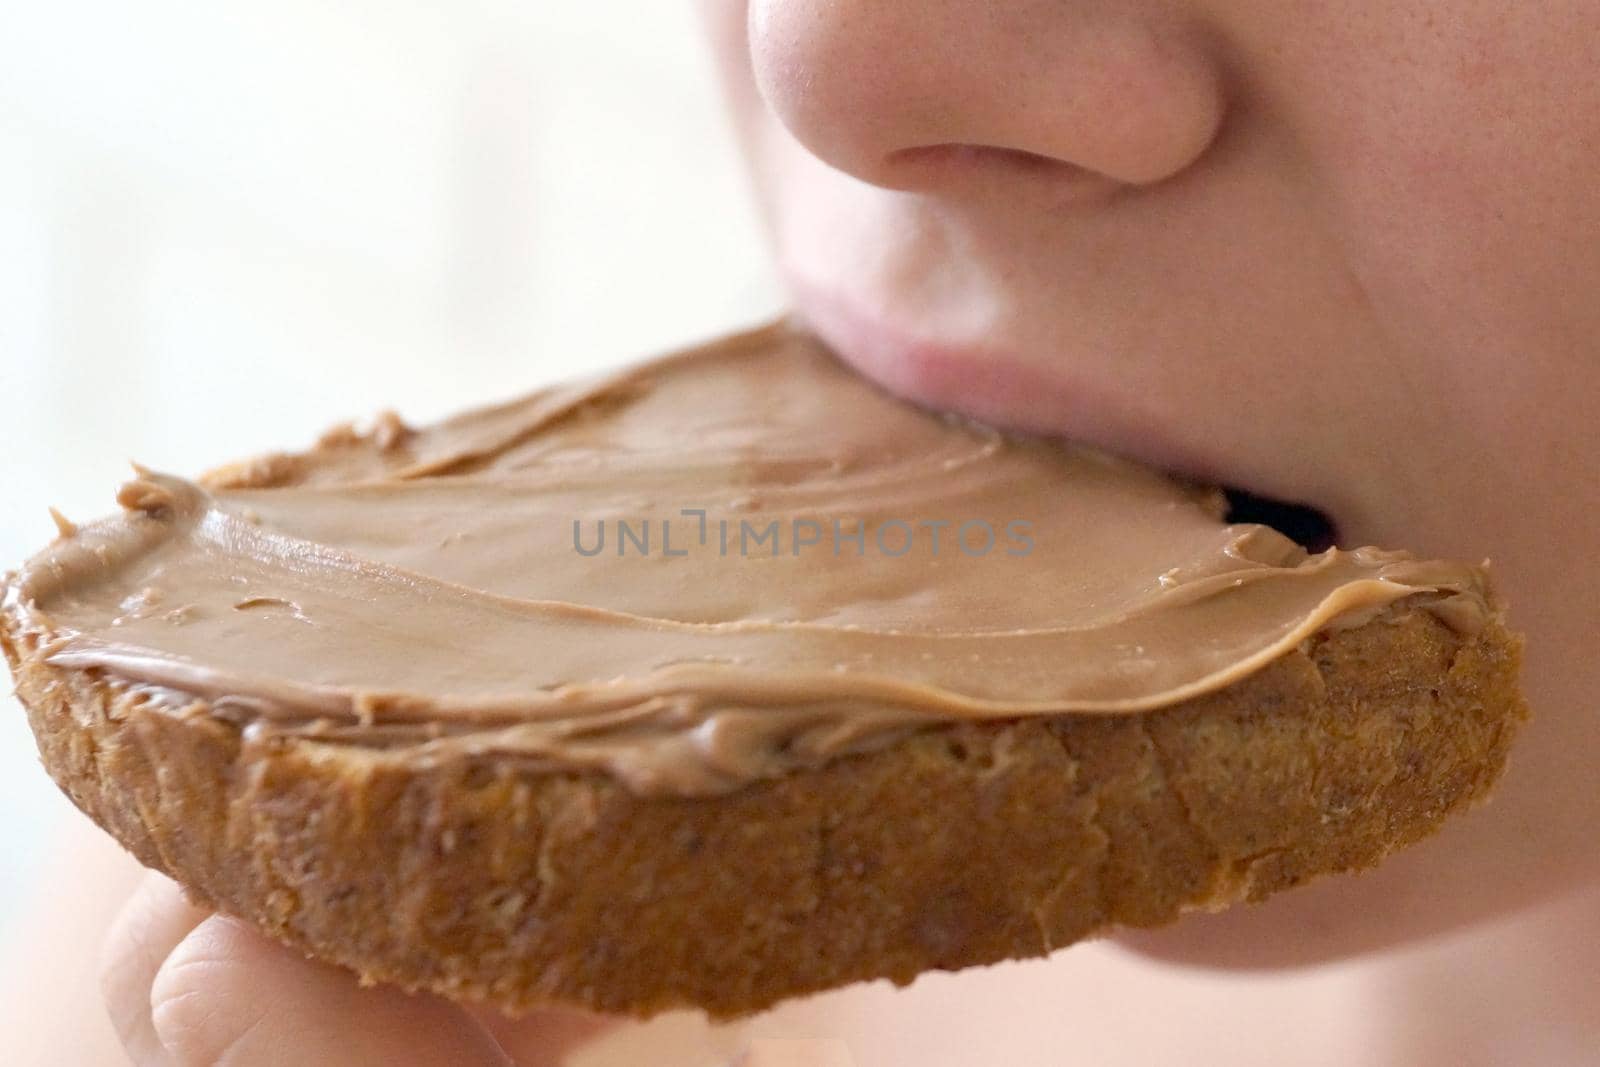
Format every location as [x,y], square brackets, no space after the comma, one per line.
[705,569]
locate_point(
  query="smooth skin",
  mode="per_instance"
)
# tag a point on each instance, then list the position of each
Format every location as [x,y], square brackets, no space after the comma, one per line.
[1342,253]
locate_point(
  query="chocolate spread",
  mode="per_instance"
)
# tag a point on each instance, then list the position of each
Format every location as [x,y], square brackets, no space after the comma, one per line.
[702,570]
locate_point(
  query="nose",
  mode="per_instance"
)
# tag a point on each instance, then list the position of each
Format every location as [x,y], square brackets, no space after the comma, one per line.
[921,94]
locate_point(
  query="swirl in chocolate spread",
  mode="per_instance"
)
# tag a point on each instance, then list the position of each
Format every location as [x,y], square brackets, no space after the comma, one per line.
[422,587]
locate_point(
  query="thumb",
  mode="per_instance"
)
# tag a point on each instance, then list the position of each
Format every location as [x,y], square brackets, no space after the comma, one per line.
[228,997]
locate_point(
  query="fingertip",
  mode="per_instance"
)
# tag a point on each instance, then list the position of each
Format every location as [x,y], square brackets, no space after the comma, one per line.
[154,919]
[194,997]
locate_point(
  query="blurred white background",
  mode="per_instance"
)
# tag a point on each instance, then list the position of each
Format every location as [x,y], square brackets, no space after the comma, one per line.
[224,227]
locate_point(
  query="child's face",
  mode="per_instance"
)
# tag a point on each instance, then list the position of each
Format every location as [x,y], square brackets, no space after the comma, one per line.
[1343,253]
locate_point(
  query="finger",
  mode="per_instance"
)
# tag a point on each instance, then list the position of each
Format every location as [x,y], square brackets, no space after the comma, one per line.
[228,997]
[152,922]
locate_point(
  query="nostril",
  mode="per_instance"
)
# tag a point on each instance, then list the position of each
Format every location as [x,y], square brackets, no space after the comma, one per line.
[952,167]
[954,155]
[1305,525]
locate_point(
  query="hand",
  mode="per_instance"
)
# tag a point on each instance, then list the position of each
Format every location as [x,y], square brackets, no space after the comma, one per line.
[185,987]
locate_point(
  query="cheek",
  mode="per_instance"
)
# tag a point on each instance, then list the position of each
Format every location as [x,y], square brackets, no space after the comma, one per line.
[1458,174]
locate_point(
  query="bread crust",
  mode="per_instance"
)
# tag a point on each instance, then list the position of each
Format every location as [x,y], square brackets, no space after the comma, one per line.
[485,877]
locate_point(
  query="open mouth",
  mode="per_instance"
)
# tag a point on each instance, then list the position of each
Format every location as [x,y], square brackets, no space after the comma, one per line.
[1306,526]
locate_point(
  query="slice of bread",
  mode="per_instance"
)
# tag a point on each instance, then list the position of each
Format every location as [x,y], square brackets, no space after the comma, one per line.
[488,875]
[960,845]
